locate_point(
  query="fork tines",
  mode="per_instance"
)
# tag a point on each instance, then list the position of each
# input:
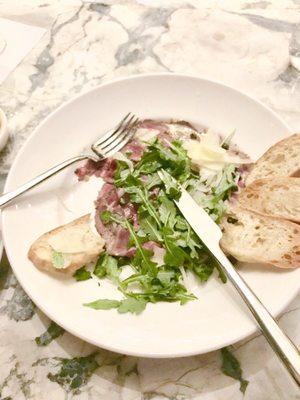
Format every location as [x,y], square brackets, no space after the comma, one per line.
[115,140]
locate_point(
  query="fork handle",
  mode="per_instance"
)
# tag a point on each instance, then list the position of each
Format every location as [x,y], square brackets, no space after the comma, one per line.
[9,196]
[281,344]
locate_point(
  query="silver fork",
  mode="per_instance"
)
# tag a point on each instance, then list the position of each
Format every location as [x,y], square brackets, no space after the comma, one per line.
[110,143]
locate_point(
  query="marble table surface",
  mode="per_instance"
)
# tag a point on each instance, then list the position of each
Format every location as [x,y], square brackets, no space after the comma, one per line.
[250,45]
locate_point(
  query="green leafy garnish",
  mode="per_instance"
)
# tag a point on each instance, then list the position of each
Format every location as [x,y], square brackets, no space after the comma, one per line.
[107,266]
[142,256]
[231,367]
[132,305]
[51,333]
[103,304]
[58,259]
[165,248]
[82,274]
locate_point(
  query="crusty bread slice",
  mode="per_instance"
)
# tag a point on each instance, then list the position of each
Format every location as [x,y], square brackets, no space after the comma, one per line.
[74,243]
[282,159]
[255,238]
[278,197]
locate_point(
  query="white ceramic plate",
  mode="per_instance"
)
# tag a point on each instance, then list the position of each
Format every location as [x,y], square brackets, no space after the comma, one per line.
[218,317]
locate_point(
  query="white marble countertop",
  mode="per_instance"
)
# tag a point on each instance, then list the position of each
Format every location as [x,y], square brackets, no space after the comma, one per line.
[249,45]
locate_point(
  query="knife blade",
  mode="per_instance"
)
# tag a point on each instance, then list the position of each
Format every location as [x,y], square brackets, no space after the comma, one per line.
[210,234]
[203,225]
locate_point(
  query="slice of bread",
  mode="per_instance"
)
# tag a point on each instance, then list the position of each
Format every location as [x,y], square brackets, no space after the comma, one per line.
[278,197]
[255,238]
[282,159]
[73,245]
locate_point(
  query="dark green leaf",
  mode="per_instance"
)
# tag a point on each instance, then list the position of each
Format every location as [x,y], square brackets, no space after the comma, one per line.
[203,270]
[175,255]
[167,212]
[100,267]
[105,216]
[108,216]
[171,186]
[121,173]
[82,274]
[150,228]
[231,367]
[141,195]
[107,266]
[142,256]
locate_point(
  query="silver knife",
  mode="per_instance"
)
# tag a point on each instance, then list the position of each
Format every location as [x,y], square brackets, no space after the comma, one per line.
[210,234]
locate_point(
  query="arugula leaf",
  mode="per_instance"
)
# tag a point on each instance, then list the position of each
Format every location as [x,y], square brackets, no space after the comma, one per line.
[227,183]
[152,181]
[100,267]
[132,305]
[108,216]
[107,266]
[142,196]
[105,216]
[121,172]
[175,256]
[188,239]
[203,270]
[231,367]
[149,227]
[167,211]
[160,221]
[142,256]
[53,332]
[171,186]
[103,304]
[165,277]
[82,274]
[112,268]
[149,163]
[58,259]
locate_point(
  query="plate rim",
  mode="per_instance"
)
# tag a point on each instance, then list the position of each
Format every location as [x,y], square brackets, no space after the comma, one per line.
[84,93]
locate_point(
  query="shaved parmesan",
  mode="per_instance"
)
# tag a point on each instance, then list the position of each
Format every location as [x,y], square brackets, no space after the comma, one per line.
[208,153]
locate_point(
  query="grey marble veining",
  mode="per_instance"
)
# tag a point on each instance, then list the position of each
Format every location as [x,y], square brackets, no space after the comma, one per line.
[246,44]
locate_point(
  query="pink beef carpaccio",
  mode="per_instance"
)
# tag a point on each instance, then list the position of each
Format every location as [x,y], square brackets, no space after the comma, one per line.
[115,236]
[104,169]
[134,150]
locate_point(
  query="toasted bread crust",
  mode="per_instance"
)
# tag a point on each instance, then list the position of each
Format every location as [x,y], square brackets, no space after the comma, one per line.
[254,238]
[282,159]
[278,197]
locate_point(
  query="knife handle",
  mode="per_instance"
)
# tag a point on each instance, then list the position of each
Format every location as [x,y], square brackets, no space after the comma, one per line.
[279,341]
